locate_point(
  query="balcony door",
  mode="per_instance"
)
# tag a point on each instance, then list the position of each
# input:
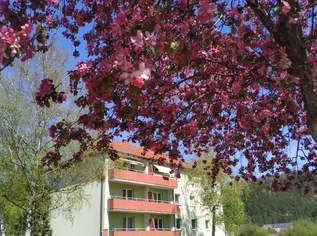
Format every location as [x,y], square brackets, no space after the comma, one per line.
[128,223]
[127,193]
[158,223]
[157,197]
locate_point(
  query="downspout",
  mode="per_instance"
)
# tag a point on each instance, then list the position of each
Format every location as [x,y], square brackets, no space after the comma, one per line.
[101,206]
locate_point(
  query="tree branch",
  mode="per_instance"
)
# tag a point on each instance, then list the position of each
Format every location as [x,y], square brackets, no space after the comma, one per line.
[263,16]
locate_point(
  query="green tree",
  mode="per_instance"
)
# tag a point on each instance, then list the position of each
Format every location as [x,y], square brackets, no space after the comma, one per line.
[232,203]
[28,191]
[266,207]
[223,199]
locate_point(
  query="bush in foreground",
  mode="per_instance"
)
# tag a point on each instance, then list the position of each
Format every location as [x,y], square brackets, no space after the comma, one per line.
[301,228]
[252,230]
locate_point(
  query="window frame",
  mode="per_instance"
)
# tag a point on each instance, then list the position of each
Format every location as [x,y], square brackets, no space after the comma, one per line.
[155,195]
[194,223]
[178,223]
[158,221]
[176,197]
[128,221]
[131,167]
[125,193]
[207,224]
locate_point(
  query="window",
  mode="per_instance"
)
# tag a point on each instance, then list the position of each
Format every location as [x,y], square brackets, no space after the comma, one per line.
[158,223]
[194,224]
[177,198]
[178,223]
[131,167]
[128,223]
[207,222]
[155,170]
[127,193]
[157,197]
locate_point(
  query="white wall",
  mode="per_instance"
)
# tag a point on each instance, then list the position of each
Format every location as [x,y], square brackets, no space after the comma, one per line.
[193,209]
[106,190]
[86,220]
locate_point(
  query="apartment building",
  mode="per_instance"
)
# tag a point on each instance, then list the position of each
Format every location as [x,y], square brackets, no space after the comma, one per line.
[139,198]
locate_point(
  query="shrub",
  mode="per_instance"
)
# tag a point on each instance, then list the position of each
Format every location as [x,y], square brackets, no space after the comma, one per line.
[252,230]
[301,228]
[271,230]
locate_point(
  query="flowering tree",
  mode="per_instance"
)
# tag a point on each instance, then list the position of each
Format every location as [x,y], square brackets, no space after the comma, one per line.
[237,75]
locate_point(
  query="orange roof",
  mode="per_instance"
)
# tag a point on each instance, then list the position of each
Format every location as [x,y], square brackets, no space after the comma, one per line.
[129,148]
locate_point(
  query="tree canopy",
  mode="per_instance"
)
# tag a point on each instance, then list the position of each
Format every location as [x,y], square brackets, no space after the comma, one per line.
[238,75]
[267,207]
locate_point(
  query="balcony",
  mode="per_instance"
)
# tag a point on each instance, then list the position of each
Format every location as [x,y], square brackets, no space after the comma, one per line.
[142,178]
[142,205]
[145,232]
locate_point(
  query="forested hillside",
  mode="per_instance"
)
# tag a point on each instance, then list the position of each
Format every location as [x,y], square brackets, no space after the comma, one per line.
[265,207]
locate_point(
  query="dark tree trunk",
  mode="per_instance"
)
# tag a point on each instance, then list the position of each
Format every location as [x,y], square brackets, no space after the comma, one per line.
[291,37]
[213,227]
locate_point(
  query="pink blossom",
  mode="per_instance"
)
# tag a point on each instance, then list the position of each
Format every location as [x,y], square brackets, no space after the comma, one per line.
[213,51]
[7,34]
[236,87]
[46,87]
[143,72]
[137,13]
[50,20]
[286,7]
[120,19]
[138,82]
[150,38]
[80,18]
[15,45]
[126,77]
[61,97]
[52,131]
[45,91]
[188,72]
[313,46]
[138,39]
[3,7]
[206,11]
[265,114]
[26,29]
[284,75]
[83,67]
[2,51]
[54,2]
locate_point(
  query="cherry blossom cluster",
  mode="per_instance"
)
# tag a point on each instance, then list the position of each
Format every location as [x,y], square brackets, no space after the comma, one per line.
[24,27]
[237,76]
[47,92]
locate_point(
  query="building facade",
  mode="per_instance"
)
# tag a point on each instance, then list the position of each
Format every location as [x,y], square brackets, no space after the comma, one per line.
[139,198]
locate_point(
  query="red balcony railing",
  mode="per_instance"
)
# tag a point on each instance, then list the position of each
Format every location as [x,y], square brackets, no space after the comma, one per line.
[142,178]
[144,232]
[142,205]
